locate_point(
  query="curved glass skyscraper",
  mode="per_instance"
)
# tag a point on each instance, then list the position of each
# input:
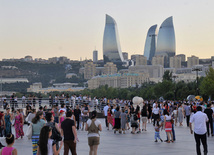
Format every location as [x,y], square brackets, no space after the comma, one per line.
[150,45]
[166,40]
[111,44]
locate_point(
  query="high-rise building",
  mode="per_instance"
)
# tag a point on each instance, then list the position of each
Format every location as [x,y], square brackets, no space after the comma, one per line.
[150,45]
[125,55]
[95,56]
[89,70]
[166,41]
[175,62]
[110,68]
[192,61]
[183,57]
[141,60]
[111,44]
[158,60]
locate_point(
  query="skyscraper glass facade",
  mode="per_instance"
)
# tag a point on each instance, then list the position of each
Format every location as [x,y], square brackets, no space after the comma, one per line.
[150,45]
[111,44]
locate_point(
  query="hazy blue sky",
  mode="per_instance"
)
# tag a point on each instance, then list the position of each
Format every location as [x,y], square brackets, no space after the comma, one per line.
[73,28]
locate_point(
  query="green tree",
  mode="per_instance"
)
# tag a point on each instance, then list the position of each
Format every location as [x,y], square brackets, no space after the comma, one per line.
[207,85]
[167,76]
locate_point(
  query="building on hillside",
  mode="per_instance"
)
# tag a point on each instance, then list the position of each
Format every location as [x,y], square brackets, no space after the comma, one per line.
[192,61]
[153,71]
[118,80]
[175,62]
[158,60]
[183,57]
[110,68]
[141,60]
[70,75]
[57,87]
[89,70]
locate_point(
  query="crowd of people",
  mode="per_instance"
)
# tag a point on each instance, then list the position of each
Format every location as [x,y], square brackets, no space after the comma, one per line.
[60,121]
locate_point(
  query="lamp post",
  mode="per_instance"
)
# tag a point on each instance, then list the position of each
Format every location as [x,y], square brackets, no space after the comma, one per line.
[174,76]
[197,69]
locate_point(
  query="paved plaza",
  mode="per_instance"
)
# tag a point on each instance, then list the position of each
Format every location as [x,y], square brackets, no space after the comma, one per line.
[129,144]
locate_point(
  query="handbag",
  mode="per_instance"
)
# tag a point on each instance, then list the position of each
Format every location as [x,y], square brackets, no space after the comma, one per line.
[29,131]
[55,134]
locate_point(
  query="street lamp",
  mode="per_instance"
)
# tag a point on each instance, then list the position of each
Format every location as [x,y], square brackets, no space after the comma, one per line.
[174,76]
[197,69]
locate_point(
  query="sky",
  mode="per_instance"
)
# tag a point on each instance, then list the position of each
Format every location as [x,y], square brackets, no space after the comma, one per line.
[74,28]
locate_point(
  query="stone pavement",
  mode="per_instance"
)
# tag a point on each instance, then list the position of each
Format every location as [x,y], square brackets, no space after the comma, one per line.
[129,144]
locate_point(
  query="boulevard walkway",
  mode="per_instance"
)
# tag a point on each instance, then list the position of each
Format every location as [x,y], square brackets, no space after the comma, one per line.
[129,144]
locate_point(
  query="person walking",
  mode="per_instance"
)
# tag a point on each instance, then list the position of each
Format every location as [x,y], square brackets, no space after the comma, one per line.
[144,113]
[56,136]
[46,145]
[199,119]
[37,123]
[168,126]
[210,116]
[19,122]
[180,115]
[155,114]
[187,112]
[105,112]
[93,126]
[7,122]
[77,113]
[70,134]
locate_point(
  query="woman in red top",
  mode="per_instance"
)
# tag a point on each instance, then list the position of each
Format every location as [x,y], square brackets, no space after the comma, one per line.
[110,117]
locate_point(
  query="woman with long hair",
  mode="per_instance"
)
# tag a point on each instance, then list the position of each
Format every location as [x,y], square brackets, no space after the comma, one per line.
[47,146]
[37,123]
[93,126]
[109,118]
[168,125]
[7,122]
[55,129]
[19,122]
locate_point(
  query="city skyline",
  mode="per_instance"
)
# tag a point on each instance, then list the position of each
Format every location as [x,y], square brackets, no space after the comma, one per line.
[73,29]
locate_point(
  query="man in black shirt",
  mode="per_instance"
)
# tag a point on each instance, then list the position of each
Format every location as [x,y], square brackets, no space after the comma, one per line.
[77,113]
[70,134]
[210,115]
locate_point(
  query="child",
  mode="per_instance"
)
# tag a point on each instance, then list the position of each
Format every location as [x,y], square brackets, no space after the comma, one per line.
[157,133]
[9,149]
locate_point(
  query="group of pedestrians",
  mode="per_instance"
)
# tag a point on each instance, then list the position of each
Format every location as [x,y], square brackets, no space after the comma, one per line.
[50,126]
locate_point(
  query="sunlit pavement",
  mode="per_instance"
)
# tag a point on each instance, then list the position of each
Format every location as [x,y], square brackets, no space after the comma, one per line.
[129,144]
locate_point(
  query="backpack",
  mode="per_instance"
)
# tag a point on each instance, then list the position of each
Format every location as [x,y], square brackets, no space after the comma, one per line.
[93,128]
[55,133]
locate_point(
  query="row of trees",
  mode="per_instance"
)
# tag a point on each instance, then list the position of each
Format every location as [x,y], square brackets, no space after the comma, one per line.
[168,89]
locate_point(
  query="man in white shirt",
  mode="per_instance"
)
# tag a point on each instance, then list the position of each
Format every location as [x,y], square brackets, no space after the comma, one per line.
[155,114]
[199,119]
[105,111]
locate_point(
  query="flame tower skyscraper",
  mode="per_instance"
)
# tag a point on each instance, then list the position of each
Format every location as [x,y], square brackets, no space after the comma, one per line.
[111,44]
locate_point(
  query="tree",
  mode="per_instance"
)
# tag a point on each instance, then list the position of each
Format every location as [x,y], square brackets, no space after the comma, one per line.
[167,76]
[207,85]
